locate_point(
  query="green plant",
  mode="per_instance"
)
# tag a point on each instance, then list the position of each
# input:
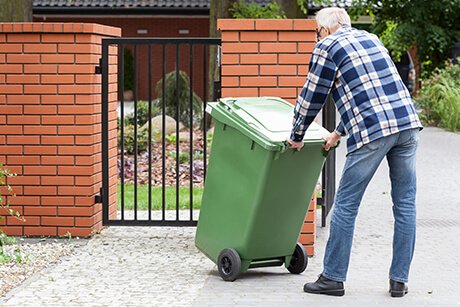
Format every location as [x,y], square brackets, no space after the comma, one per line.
[171,139]
[67,235]
[209,137]
[4,174]
[439,98]
[242,9]
[4,204]
[183,156]
[303,4]
[180,94]
[5,240]
[128,65]
[198,155]
[142,139]
[19,257]
[143,112]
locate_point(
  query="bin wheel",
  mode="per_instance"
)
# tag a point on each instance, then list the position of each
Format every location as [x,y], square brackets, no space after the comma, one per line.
[299,260]
[229,264]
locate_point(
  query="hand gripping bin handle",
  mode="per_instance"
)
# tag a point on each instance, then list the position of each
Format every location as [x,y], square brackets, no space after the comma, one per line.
[325,152]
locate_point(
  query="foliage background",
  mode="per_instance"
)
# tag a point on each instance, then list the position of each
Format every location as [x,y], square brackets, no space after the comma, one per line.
[431,27]
[439,98]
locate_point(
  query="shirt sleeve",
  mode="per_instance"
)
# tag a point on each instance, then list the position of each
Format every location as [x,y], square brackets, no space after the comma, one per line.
[341,129]
[321,77]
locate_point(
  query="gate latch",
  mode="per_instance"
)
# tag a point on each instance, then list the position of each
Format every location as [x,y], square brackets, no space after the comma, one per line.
[98,69]
[98,198]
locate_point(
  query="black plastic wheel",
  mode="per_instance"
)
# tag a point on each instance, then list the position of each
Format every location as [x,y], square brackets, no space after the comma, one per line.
[229,264]
[299,260]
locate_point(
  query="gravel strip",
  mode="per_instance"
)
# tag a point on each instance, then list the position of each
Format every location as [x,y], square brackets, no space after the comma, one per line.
[37,254]
[121,266]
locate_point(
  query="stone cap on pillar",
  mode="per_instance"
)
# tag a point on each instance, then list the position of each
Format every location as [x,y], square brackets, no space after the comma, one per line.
[266,24]
[59,27]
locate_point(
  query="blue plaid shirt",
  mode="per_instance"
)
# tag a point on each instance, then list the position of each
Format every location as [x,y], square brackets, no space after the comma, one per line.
[370,96]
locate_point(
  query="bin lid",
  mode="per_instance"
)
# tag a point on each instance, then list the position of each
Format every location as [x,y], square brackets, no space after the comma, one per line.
[267,120]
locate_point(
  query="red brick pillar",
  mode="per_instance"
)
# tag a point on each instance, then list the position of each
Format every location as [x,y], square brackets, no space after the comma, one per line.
[50,125]
[269,57]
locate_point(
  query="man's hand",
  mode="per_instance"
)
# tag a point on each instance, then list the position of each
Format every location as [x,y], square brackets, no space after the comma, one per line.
[331,140]
[295,145]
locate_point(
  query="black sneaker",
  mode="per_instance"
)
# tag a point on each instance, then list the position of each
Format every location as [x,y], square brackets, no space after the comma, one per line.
[398,289]
[325,286]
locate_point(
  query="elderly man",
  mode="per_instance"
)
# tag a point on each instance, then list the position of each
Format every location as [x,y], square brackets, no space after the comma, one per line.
[380,120]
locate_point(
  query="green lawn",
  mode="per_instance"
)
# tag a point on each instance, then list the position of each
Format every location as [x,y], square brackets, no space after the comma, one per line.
[143,196]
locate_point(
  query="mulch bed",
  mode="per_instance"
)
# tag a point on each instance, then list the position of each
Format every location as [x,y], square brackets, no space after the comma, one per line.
[170,162]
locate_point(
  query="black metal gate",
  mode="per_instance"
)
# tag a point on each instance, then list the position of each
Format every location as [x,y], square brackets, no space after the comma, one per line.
[146,193]
[328,174]
[151,201]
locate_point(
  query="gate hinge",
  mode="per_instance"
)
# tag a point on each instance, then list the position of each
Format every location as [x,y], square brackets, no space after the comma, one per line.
[219,56]
[98,198]
[320,201]
[99,68]
[217,90]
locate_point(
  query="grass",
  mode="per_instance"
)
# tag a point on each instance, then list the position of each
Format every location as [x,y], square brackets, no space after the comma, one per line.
[170,197]
[184,197]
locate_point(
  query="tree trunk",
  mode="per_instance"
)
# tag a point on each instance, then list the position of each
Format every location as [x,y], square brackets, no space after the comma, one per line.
[217,9]
[291,9]
[15,10]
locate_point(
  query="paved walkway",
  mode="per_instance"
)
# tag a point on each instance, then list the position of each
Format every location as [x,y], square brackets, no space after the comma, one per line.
[126,266]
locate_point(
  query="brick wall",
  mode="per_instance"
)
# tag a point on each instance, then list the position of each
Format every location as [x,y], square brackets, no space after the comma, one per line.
[308,232]
[50,125]
[269,57]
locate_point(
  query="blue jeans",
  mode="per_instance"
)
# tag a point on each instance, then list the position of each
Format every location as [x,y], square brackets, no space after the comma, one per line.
[360,166]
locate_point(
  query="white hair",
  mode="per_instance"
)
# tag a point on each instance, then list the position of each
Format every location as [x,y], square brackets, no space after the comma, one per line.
[332,17]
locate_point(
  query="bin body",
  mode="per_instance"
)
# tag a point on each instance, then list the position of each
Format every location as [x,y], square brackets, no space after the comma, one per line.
[257,191]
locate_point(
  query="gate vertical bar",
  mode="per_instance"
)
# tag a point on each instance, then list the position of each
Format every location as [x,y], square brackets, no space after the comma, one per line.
[163,136]
[177,131]
[205,99]
[135,132]
[328,174]
[191,131]
[150,132]
[105,130]
[122,128]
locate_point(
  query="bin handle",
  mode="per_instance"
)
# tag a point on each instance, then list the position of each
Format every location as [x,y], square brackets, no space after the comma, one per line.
[229,103]
[286,147]
[325,152]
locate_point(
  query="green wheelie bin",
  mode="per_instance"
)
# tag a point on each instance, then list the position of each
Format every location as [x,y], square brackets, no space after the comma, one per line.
[257,190]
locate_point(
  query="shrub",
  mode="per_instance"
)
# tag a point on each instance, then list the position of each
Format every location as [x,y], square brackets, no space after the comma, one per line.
[241,9]
[142,134]
[143,112]
[439,98]
[142,139]
[183,95]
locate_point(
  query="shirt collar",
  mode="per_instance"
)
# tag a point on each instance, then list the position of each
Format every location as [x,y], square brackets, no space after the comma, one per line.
[343,28]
